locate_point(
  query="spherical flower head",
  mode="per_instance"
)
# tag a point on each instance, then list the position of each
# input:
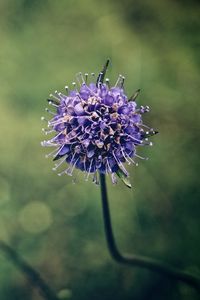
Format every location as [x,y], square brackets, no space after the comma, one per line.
[96,128]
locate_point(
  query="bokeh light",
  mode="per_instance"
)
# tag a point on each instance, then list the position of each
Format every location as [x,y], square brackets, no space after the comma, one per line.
[35,217]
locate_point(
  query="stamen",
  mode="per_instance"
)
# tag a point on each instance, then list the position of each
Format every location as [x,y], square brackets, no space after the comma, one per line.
[68,170]
[108,82]
[59,164]
[125,156]
[53,96]
[149,133]
[86,77]
[62,95]
[61,173]
[136,164]
[55,122]
[48,144]
[53,152]
[67,89]
[138,141]
[58,94]
[88,174]
[114,178]
[55,137]
[95,178]
[46,131]
[52,102]
[91,92]
[146,143]
[120,164]
[141,157]
[118,80]
[109,168]
[50,112]
[145,126]
[84,163]
[72,168]
[44,119]
[79,78]
[144,109]
[74,85]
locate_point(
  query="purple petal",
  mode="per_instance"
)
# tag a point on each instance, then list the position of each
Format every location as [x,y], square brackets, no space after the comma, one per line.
[64,150]
[78,109]
[109,100]
[124,110]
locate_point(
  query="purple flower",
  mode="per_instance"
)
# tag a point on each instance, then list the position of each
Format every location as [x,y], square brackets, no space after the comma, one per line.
[96,128]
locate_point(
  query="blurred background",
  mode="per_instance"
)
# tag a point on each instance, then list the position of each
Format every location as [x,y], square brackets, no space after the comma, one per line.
[56,225]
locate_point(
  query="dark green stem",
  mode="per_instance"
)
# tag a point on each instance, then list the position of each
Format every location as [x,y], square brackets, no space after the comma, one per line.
[32,275]
[138,260]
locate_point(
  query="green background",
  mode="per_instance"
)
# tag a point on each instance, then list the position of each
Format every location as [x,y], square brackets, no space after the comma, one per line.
[57,225]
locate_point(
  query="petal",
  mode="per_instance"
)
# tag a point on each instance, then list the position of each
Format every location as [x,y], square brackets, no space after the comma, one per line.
[64,150]
[124,110]
[109,100]
[78,109]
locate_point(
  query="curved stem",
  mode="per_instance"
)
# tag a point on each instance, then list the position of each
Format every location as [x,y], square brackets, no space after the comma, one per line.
[32,275]
[138,260]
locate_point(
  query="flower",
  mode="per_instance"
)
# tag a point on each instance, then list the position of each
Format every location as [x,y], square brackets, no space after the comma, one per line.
[97,128]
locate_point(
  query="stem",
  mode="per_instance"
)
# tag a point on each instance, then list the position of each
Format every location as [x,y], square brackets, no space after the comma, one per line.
[32,275]
[138,260]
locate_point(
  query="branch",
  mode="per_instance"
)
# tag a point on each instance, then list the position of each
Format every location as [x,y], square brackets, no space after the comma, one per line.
[32,275]
[138,260]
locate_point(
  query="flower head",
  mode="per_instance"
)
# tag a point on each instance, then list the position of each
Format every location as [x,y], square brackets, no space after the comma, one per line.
[96,127]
